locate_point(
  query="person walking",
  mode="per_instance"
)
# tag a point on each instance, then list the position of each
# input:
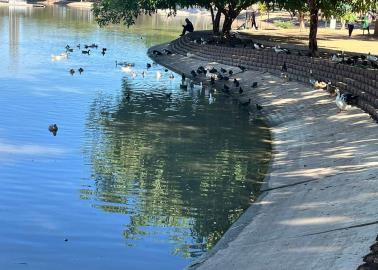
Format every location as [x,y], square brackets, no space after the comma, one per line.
[350,27]
[188,27]
[253,19]
[365,24]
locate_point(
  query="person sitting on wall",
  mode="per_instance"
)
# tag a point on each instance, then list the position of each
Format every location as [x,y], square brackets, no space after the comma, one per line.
[188,27]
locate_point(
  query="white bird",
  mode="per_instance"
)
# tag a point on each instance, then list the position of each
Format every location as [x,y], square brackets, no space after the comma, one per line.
[125,69]
[59,57]
[372,58]
[278,49]
[171,76]
[158,74]
[336,58]
[133,74]
[345,101]
[189,54]
[211,99]
[256,46]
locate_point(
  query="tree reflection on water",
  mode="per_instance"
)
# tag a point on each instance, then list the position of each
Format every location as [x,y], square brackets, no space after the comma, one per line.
[176,167]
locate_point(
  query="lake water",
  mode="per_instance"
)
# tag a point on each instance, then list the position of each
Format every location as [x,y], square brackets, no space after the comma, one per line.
[133,179]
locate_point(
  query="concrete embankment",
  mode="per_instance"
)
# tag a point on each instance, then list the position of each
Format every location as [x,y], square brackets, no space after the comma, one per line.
[318,208]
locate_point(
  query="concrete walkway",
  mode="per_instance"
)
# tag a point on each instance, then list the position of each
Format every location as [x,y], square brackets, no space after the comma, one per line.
[320,200]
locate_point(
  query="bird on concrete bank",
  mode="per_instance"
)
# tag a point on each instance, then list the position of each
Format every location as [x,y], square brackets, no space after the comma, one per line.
[156,53]
[344,102]
[53,128]
[167,52]
[320,85]
[254,84]
[242,68]
[223,70]
[331,89]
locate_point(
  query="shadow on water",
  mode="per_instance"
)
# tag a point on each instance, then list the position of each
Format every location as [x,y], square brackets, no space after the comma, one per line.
[176,163]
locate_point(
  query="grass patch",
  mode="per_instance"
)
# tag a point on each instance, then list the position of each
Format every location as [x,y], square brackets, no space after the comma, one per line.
[284,25]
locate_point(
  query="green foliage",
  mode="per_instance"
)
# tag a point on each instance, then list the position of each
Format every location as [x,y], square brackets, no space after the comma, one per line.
[262,7]
[283,24]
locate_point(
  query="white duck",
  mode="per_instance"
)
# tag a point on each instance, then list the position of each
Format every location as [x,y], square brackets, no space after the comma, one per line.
[345,101]
[211,99]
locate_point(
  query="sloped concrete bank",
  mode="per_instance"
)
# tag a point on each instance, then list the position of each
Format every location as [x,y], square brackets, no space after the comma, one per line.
[318,208]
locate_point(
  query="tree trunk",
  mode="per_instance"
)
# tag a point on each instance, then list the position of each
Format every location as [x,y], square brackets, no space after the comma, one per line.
[216,23]
[227,25]
[313,43]
[376,28]
[301,20]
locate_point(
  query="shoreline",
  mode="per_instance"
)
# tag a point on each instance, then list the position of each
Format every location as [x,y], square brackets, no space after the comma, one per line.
[311,213]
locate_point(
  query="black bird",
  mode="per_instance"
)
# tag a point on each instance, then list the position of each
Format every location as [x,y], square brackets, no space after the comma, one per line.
[72,71]
[223,70]
[246,103]
[53,128]
[284,67]
[128,96]
[242,68]
[78,46]
[230,72]
[259,107]
[183,77]
[236,82]
[193,72]
[168,95]
[351,100]
[213,70]
[85,52]
[156,53]
[166,70]
[241,90]
[69,50]
[148,65]
[212,80]
[86,46]
[103,53]
[226,88]
[220,77]
[167,52]
[104,49]
[81,70]
[226,78]
[254,84]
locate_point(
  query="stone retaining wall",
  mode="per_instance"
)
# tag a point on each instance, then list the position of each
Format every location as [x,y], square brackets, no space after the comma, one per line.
[358,81]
